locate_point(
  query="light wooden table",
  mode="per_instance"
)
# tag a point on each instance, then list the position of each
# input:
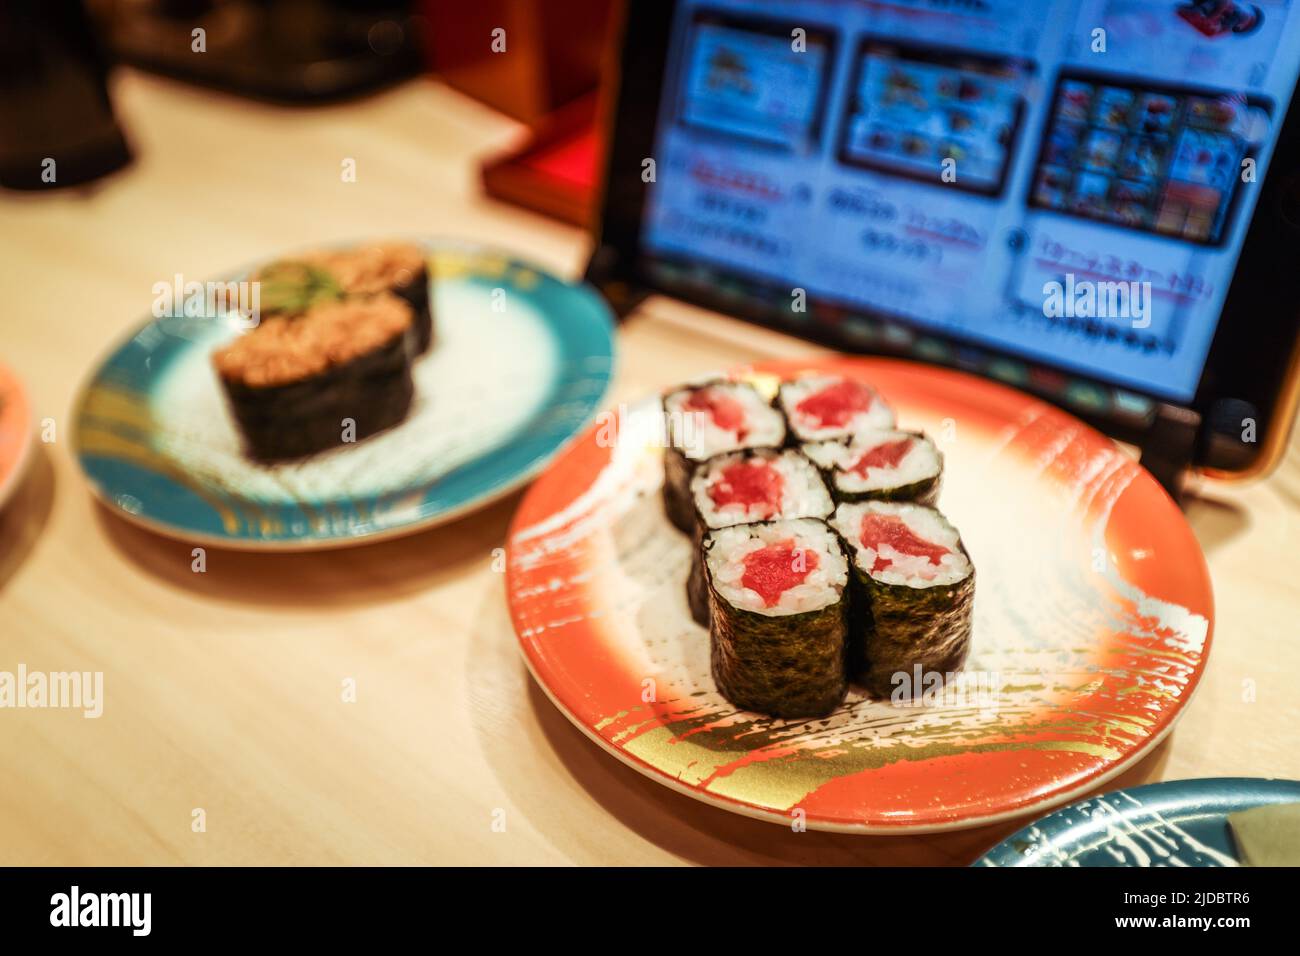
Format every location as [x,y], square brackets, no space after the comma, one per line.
[223,690]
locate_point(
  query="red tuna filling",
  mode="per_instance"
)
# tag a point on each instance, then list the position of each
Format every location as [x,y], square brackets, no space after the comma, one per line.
[751,484]
[726,412]
[772,570]
[835,405]
[887,455]
[878,529]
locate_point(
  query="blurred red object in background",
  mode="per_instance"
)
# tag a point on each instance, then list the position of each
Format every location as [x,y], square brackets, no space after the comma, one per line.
[525,58]
[542,63]
[557,171]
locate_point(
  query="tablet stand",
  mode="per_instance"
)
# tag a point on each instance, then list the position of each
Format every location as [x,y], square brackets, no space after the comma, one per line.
[1169,447]
[603,272]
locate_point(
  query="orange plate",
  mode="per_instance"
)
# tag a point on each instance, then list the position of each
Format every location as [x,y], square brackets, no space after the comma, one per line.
[1093,616]
[15,432]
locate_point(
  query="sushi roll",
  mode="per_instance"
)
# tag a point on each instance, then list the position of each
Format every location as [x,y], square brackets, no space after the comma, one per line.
[397,268]
[295,382]
[742,487]
[706,420]
[880,466]
[831,408]
[914,590]
[778,595]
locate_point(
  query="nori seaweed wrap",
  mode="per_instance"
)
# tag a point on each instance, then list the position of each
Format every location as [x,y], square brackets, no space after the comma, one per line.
[706,420]
[914,593]
[778,596]
[881,465]
[743,487]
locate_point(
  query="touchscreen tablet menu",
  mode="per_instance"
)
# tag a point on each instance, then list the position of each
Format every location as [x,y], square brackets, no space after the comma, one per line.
[1068,182]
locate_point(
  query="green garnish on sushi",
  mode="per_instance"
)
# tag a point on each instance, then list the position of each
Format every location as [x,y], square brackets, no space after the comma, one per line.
[291,287]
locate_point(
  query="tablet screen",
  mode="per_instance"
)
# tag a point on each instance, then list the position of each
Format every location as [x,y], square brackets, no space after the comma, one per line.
[1068,183]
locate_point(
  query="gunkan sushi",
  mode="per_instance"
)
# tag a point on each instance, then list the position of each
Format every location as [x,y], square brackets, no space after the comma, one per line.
[304,383]
[880,466]
[822,407]
[914,590]
[778,596]
[295,284]
[742,487]
[707,420]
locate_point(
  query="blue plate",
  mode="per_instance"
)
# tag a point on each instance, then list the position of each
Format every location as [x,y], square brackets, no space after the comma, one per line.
[521,361]
[1175,823]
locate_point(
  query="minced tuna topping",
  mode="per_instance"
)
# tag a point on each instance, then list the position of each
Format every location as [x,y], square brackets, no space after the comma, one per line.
[371,269]
[285,349]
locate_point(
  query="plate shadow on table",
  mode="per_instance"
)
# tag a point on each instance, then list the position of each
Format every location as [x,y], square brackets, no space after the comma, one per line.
[1215,520]
[26,513]
[541,761]
[346,576]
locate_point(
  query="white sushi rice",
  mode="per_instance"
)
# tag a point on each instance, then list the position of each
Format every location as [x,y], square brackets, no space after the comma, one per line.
[878,416]
[916,571]
[698,437]
[823,586]
[803,493]
[922,461]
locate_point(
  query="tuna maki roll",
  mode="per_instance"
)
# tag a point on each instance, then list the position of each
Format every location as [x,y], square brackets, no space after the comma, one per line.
[742,487]
[831,408]
[398,268]
[707,420]
[881,466]
[301,384]
[779,616]
[914,592]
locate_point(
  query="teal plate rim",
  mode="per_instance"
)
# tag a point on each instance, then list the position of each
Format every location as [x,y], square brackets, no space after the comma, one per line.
[1208,799]
[580,322]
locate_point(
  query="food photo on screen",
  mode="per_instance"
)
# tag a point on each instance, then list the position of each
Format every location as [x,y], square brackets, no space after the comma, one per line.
[709,433]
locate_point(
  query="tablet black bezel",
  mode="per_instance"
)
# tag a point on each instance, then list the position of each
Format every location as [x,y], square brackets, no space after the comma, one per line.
[1257,367]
